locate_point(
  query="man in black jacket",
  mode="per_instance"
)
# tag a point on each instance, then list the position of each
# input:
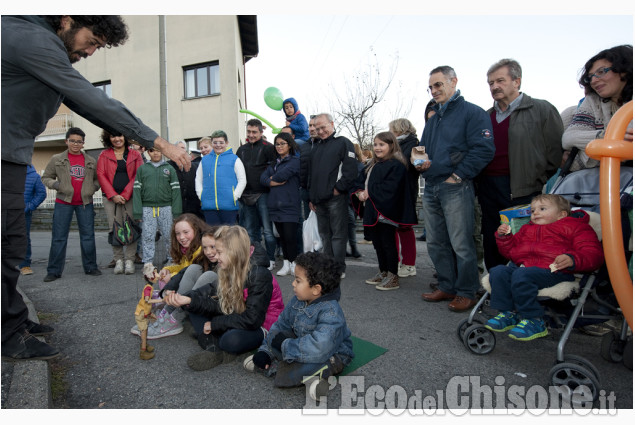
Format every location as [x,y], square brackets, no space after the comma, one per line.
[37,76]
[256,155]
[332,170]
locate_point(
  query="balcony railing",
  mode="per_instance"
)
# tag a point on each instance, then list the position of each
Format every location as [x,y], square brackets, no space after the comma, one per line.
[59,124]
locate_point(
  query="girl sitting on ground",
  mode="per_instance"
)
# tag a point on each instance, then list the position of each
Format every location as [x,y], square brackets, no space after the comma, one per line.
[242,306]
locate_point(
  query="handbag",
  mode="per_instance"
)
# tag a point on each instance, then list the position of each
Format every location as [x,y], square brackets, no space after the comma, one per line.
[123,233]
[310,233]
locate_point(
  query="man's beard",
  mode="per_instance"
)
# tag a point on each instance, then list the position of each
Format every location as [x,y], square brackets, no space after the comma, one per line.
[68,38]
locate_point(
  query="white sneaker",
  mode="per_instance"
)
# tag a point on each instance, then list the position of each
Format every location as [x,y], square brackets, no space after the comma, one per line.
[118,267]
[405,271]
[286,268]
[343,276]
[293,268]
[272,264]
[129,268]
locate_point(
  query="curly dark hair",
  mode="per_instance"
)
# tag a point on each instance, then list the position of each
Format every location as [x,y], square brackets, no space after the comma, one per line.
[621,58]
[321,269]
[111,27]
[293,146]
[105,139]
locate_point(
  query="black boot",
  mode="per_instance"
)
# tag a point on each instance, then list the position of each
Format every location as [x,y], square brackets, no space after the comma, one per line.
[355,251]
[24,346]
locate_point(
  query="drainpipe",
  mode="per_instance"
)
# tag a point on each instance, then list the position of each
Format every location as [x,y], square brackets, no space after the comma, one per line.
[163,78]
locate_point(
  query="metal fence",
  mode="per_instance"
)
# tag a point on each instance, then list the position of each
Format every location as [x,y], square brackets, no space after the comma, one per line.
[49,202]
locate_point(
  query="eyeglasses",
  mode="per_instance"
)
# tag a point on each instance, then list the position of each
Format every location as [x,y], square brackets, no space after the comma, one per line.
[599,74]
[76,142]
[435,86]
[280,144]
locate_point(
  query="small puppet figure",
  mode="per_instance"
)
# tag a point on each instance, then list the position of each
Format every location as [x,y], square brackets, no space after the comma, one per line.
[142,316]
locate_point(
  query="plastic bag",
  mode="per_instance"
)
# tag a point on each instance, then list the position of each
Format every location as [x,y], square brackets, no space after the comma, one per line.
[310,234]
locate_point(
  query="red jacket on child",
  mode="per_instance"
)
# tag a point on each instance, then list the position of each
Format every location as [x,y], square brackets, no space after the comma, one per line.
[538,245]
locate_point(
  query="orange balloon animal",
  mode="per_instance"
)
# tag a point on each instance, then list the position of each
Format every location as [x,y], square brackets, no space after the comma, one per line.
[610,151]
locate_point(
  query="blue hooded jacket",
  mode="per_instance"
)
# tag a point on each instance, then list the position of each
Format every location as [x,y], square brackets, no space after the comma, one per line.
[34,190]
[297,121]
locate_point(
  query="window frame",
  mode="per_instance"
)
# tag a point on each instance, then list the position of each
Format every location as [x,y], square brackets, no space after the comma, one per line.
[212,80]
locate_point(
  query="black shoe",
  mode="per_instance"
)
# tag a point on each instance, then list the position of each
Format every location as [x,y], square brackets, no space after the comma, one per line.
[137,259]
[434,285]
[356,253]
[38,329]
[26,347]
[95,272]
[422,238]
[51,277]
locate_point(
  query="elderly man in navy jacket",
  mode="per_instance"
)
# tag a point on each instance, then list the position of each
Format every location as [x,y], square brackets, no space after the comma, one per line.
[459,143]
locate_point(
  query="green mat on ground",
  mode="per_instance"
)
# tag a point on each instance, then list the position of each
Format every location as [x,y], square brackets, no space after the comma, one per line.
[365,352]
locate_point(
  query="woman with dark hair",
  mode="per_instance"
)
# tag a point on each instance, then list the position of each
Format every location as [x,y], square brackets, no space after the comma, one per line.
[283,180]
[116,171]
[607,79]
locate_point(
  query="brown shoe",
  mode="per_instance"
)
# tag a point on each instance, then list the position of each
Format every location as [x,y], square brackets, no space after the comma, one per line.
[460,304]
[111,265]
[436,296]
[137,259]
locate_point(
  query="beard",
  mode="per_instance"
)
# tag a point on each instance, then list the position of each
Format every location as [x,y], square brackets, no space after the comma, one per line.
[68,38]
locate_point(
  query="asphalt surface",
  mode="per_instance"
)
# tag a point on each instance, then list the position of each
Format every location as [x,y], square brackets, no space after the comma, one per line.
[100,366]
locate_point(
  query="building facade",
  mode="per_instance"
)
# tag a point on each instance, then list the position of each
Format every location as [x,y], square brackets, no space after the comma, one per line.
[184,76]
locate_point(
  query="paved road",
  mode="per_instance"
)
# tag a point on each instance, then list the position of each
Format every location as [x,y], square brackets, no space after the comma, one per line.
[92,317]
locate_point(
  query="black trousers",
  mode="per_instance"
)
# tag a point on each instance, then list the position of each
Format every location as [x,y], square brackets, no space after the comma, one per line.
[384,242]
[14,243]
[288,239]
[494,195]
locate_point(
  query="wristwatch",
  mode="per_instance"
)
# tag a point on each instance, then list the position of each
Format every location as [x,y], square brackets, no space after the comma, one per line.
[456,178]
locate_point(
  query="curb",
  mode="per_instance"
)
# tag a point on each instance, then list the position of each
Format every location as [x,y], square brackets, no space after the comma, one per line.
[30,380]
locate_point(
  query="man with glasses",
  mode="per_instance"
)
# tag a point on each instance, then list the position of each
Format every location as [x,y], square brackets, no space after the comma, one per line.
[331,172]
[459,143]
[256,155]
[527,136]
[73,174]
[37,76]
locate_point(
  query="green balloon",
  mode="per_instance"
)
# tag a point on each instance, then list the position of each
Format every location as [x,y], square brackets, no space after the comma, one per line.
[273,98]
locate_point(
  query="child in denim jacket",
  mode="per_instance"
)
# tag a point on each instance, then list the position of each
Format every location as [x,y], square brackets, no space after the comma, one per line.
[310,339]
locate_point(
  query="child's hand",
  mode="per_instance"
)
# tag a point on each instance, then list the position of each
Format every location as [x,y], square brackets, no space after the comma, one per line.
[362,196]
[262,360]
[164,275]
[207,328]
[562,262]
[504,229]
[177,300]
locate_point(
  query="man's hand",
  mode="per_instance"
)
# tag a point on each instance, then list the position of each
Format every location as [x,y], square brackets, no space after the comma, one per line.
[176,154]
[423,167]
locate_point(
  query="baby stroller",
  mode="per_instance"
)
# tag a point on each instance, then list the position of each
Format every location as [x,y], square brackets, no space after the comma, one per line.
[568,305]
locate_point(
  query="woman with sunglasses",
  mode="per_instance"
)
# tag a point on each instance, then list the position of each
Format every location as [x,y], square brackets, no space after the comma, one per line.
[607,79]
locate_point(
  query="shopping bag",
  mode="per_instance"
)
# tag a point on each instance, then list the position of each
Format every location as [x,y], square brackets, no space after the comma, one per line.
[310,234]
[123,233]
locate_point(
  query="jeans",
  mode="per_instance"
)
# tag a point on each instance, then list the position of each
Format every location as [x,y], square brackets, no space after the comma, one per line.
[332,218]
[448,211]
[62,216]
[220,217]
[13,233]
[516,288]
[253,218]
[27,258]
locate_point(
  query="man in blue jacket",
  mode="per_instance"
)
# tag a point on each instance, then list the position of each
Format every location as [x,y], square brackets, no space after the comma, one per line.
[459,143]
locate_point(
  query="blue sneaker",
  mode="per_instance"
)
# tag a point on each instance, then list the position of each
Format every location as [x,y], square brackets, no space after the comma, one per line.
[529,329]
[504,321]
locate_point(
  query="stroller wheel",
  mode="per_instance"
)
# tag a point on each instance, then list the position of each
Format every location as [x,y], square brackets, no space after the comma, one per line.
[628,354]
[581,361]
[567,377]
[478,339]
[612,347]
[463,325]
